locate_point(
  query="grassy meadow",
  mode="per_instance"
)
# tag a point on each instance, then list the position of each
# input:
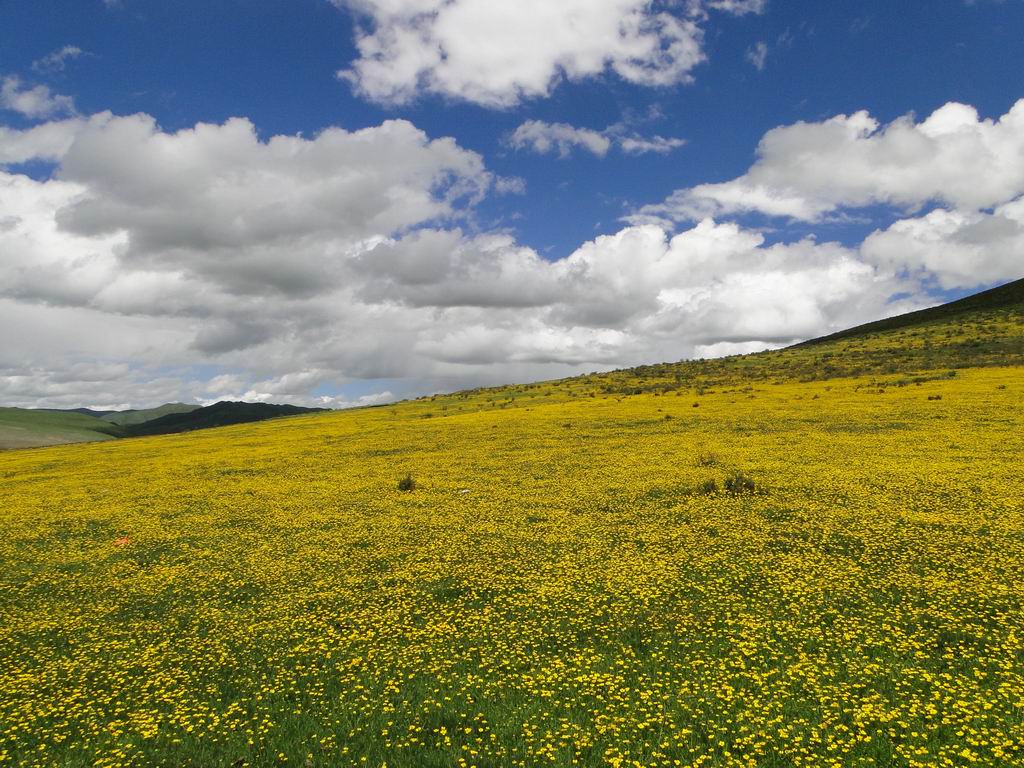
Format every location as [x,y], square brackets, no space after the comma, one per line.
[21,428]
[812,557]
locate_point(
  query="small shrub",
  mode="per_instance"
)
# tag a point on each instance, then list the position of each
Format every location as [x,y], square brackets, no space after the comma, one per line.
[738,483]
[707,459]
[407,483]
[709,487]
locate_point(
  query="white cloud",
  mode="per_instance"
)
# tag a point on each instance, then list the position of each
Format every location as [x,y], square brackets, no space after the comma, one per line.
[35,102]
[758,55]
[48,142]
[295,266]
[57,60]
[497,54]
[808,171]
[219,202]
[739,7]
[562,138]
[510,185]
[957,249]
[659,145]
[294,388]
[542,138]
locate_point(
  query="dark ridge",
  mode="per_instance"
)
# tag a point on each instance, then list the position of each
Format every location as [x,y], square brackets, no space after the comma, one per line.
[138,416]
[219,414]
[1008,295]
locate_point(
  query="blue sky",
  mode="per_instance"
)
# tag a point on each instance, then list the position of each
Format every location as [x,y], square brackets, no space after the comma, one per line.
[275,63]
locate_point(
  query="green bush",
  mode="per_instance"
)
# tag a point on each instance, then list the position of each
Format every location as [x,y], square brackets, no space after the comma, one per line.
[739,483]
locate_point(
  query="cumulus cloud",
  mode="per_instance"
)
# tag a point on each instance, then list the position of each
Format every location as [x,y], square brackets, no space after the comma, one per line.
[957,249]
[562,138]
[32,102]
[298,265]
[808,171]
[221,203]
[497,54]
[47,142]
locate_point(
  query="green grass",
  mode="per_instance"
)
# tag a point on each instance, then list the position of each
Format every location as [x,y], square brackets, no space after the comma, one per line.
[28,428]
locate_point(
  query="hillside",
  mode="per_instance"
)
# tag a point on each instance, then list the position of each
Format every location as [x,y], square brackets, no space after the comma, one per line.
[986,333]
[994,300]
[132,417]
[26,428]
[219,414]
[31,428]
[807,557]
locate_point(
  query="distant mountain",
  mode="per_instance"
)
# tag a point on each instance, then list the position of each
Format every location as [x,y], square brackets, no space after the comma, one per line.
[217,415]
[31,428]
[126,418]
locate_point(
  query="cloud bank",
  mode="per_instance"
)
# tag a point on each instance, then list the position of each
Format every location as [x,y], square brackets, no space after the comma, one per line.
[209,262]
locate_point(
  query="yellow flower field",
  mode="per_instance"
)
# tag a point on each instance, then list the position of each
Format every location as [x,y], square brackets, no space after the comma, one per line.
[562,588]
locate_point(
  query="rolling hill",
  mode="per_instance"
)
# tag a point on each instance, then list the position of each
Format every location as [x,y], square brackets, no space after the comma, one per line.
[219,414]
[813,556]
[132,417]
[1001,297]
[31,428]
[25,428]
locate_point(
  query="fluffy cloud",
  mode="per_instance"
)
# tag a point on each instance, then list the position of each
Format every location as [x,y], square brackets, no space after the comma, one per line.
[497,54]
[957,249]
[808,171]
[295,266]
[35,102]
[219,203]
[543,138]
[48,142]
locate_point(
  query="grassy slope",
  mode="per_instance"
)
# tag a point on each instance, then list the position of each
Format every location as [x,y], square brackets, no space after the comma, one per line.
[1002,297]
[125,418]
[557,590]
[27,428]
